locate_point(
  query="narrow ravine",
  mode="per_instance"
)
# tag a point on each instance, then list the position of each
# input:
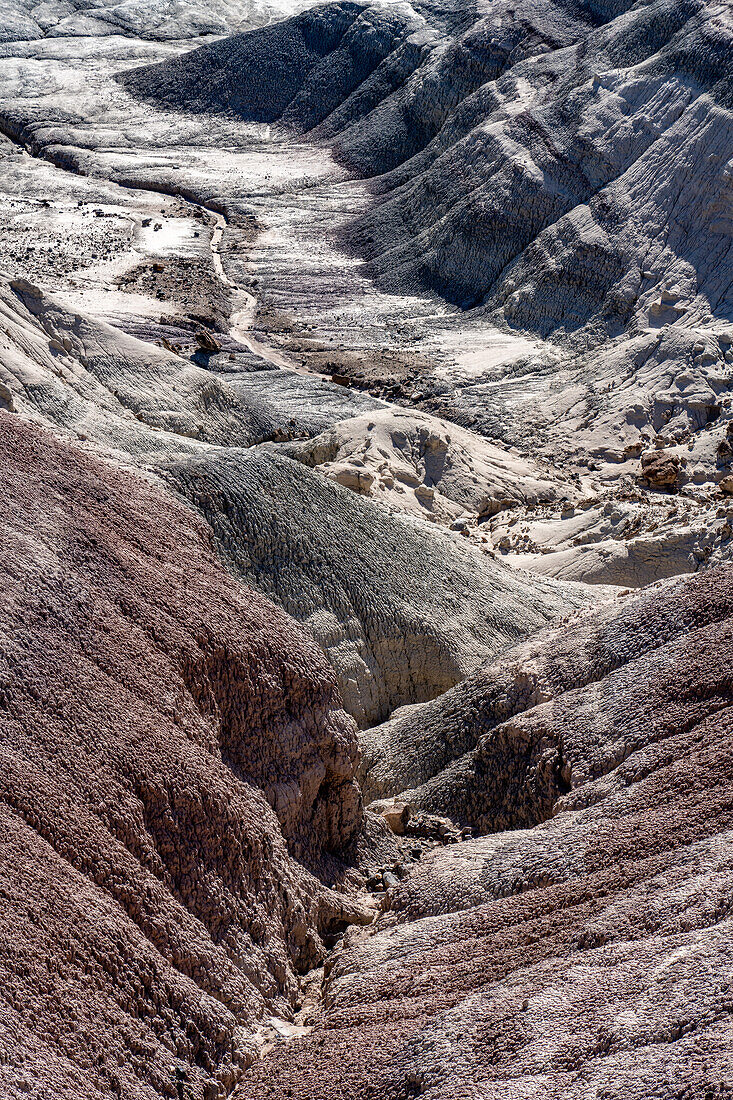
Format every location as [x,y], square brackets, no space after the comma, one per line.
[242,320]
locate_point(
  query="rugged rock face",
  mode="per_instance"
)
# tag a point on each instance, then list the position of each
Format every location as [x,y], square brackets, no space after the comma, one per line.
[591,950]
[443,751]
[336,562]
[174,756]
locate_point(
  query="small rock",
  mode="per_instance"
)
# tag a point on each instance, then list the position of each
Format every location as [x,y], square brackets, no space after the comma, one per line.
[352,477]
[207,342]
[390,880]
[661,469]
[396,815]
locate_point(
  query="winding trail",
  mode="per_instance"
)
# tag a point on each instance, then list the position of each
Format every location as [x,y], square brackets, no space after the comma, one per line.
[242,320]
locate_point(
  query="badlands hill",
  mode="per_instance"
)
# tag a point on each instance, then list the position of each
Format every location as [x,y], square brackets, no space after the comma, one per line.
[177,767]
[535,143]
[557,169]
[366,619]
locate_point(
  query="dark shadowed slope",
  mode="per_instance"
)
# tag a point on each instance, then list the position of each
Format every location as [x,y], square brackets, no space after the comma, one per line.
[297,71]
[170,741]
[590,954]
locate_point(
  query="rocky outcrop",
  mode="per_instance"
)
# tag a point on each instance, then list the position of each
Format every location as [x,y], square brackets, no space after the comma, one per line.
[421,465]
[660,470]
[175,756]
[645,536]
[589,946]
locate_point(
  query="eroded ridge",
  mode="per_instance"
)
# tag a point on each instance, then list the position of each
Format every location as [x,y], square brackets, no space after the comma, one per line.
[591,950]
[177,770]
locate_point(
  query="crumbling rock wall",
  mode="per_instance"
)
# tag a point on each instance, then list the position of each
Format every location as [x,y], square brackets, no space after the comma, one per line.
[174,756]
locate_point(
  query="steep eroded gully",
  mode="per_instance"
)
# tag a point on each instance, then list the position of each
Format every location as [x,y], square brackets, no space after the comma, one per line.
[580,941]
[591,947]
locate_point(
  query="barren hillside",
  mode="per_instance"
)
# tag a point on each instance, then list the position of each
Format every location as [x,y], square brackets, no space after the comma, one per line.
[365,634]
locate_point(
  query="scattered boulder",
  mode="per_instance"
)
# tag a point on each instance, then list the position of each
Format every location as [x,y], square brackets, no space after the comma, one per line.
[207,342]
[396,815]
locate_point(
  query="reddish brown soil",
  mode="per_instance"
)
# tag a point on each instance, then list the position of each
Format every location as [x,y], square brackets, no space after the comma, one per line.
[153,711]
[590,955]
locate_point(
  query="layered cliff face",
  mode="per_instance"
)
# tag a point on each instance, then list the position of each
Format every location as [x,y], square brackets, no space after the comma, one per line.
[175,758]
[589,947]
[548,194]
[472,738]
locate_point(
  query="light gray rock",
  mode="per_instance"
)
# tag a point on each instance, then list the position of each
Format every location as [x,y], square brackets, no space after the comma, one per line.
[425,466]
[402,609]
[338,563]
